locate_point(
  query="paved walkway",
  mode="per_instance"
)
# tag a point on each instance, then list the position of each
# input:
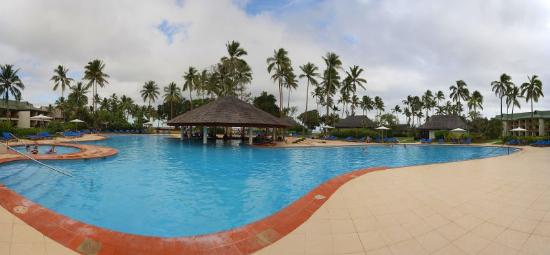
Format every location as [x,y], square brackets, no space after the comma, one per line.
[490,206]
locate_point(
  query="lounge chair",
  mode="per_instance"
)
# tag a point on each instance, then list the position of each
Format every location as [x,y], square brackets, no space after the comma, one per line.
[441,141]
[45,135]
[349,139]
[7,136]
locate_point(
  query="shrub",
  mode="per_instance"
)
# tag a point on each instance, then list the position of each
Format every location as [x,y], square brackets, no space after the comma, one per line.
[357,133]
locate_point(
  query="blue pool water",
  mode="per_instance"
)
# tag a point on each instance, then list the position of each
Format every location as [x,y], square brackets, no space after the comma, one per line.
[166,187]
[42,149]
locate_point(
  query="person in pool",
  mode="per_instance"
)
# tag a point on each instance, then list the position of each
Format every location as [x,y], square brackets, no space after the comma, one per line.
[27,147]
[51,150]
[35,149]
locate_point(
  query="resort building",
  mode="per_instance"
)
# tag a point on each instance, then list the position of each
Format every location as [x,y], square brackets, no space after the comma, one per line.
[20,113]
[357,121]
[441,122]
[536,125]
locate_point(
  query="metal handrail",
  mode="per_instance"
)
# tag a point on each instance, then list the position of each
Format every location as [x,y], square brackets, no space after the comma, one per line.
[36,161]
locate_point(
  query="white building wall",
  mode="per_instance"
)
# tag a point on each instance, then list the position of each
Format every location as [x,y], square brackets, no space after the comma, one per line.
[24,120]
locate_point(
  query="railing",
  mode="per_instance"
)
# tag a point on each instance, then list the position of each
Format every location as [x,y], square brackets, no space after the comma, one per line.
[36,161]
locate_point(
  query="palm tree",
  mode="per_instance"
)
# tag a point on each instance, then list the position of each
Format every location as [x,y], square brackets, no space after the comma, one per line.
[379,105]
[93,73]
[354,103]
[331,78]
[475,101]
[290,82]
[149,92]
[427,101]
[532,90]
[278,63]
[172,94]
[60,79]
[439,96]
[190,78]
[512,96]
[367,105]
[459,92]
[396,109]
[500,87]
[309,71]
[10,83]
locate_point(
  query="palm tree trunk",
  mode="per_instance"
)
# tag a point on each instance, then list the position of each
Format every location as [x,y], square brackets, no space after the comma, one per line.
[288,99]
[501,109]
[190,98]
[305,113]
[280,99]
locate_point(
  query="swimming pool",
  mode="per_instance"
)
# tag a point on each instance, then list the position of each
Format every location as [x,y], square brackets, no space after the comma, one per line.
[42,149]
[165,187]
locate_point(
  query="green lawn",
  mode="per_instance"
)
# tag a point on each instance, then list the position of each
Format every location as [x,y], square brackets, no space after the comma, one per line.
[408,139]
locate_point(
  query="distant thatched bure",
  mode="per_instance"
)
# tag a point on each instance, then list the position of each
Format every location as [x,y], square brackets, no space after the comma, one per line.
[228,112]
[357,121]
[443,122]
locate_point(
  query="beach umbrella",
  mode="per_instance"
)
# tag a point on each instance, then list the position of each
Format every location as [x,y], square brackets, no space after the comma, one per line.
[382,128]
[458,130]
[41,117]
[150,123]
[77,121]
[519,129]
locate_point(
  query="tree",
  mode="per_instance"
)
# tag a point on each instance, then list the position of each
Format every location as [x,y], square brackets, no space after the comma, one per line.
[10,83]
[459,92]
[309,72]
[512,96]
[267,103]
[60,79]
[290,82]
[331,78]
[367,105]
[239,72]
[172,94]
[355,102]
[396,109]
[190,78]
[379,105]
[150,93]
[354,78]
[311,119]
[428,102]
[439,96]
[500,88]
[278,64]
[93,73]
[475,101]
[532,91]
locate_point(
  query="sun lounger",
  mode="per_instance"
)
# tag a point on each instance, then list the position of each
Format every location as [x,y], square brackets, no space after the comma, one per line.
[7,136]
[349,139]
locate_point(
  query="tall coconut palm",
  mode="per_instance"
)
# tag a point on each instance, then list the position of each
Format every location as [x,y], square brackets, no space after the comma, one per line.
[354,78]
[396,109]
[459,92]
[354,103]
[309,71]
[10,83]
[367,104]
[500,87]
[512,96]
[290,82]
[439,96]
[379,105]
[532,91]
[278,64]
[95,75]
[172,94]
[78,94]
[150,92]
[190,78]
[475,101]
[331,78]
[428,102]
[60,79]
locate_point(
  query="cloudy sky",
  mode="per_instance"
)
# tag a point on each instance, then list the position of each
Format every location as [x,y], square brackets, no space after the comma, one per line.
[404,46]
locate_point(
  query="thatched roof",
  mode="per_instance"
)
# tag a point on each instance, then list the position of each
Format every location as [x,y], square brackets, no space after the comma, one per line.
[357,121]
[443,122]
[229,112]
[290,121]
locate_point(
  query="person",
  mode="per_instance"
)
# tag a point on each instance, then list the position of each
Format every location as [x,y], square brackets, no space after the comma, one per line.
[27,147]
[51,150]
[35,149]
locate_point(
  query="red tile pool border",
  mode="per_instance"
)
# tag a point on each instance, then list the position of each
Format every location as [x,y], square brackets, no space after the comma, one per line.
[89,239]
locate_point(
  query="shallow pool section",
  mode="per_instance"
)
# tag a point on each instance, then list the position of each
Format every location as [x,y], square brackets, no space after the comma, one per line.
[165,187]
[42,149]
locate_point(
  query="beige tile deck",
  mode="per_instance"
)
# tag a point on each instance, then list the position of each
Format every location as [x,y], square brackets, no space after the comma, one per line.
[489,206]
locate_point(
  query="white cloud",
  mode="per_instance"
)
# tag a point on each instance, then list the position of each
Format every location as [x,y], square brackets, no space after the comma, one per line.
[406,47]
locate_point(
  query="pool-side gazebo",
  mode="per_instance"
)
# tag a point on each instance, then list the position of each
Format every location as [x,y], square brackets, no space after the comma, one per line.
[227,112]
